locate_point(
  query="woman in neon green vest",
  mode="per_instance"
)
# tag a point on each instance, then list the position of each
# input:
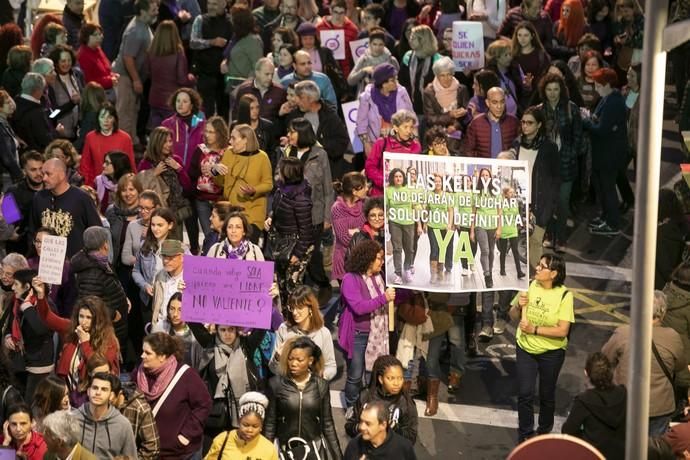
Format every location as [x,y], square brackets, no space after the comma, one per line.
[437,226]
[486,228]
[509,233]
[400,225]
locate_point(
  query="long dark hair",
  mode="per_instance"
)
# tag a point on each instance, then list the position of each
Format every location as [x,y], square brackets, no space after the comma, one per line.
[244,108]
[48,395]
[150,243]
[102,332]
[121,164]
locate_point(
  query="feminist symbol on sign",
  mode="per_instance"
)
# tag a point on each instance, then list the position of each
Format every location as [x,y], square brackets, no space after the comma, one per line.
[351,114]
[332,43]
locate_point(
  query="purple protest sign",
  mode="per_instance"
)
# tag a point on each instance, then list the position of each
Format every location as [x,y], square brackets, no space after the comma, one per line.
[228,292]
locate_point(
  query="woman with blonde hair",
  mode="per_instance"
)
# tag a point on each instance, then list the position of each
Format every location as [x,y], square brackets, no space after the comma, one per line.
[123,210]
[169,70]
[245,174]
[416,66]
[303,318]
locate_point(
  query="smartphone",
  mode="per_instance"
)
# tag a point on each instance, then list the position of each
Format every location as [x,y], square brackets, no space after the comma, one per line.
[54,114]
[10,212]
[7,453]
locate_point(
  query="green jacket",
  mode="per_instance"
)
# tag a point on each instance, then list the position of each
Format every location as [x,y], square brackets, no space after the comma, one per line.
[678,318]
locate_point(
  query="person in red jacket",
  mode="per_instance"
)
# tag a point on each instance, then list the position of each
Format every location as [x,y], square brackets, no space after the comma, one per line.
[92,60]
[400,140]
[18,434]
[106,138]
[338,20]
[88,332]
[494,131]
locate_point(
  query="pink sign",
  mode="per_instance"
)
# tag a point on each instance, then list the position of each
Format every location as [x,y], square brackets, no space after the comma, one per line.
[228,292]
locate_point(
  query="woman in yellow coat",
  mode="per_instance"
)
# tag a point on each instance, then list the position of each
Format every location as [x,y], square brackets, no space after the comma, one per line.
[246,441]
[245,174]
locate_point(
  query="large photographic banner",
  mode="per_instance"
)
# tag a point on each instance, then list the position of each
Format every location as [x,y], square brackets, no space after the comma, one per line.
[455,224]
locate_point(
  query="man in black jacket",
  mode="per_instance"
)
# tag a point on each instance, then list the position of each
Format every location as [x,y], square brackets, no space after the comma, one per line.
[95,276]
[375,440]
[30,121]
[23,192]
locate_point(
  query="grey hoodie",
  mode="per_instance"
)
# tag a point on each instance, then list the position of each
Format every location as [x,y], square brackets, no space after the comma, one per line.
[110,436]
[359,77]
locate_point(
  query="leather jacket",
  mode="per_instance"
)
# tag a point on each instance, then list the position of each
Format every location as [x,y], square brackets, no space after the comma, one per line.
[306,414]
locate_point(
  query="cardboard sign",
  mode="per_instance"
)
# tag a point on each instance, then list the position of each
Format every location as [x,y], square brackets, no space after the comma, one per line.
[52,261]
[334,40]
[350,114]
[468,45]
[228,292]
[358,48]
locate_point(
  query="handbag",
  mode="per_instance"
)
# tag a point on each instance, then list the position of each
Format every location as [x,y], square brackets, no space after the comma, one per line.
[282,246]
[413,310]
[222,409]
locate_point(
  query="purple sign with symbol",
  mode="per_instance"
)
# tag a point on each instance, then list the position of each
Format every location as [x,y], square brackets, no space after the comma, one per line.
[228,292]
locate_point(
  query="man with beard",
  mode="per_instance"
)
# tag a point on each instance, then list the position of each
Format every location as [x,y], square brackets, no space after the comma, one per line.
[288,18]
[23,192]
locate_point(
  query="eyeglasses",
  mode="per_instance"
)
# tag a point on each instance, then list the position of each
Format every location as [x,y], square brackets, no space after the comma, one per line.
[107,162]
[378,216]
[145,209]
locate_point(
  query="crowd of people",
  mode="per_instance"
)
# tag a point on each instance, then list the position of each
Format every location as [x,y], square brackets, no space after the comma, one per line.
[143,131]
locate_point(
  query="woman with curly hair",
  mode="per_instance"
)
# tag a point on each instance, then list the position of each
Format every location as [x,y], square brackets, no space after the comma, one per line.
[89,331]
[363,328]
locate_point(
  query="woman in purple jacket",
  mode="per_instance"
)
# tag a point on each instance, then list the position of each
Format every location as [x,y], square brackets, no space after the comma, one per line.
[363,330]
[187,128]
[180,413]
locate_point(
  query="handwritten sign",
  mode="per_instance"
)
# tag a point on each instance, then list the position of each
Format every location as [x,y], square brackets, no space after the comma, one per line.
[468,45]
[52,261]
[358,48]
[350,113]
[334,40]
[228,292]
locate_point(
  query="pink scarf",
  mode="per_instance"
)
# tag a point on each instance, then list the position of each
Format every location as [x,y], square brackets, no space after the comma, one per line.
[161,378]
[447,97]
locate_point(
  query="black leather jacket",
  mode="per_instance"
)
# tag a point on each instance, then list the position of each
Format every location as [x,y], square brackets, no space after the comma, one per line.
[306,414]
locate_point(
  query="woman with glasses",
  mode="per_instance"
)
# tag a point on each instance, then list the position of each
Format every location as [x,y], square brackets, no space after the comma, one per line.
[347,217]
[303,318]
[115,166]
[545,314]
[373,228]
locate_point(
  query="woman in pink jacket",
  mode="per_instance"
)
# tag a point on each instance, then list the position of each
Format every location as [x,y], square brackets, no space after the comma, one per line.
[401,139]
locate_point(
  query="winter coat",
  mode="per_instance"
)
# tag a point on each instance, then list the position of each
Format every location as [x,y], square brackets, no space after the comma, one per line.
[670,346]
[306,414]
[35,449]
[291,215]
[218,251]
[95,278]
[394,447]
[435,115]
[183,412]
[118,220]
[598,417]
[253,168]
[37,338]
[8,146]
[678,318]
[345,218]
[322,80]
[186,137]
[374,164]
[609,134]
[368,115]
[359,78]
[107,437]
[415,84]
[478,136]
[402,413]
[32,125]
[60,99]
[140,416]
[357,308]
[144,272]
[545,181]
[570,134]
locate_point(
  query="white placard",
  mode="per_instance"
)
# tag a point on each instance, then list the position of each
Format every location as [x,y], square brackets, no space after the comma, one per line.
[358,48]
[52,261]
[468,45]
[334,40]
[350,114]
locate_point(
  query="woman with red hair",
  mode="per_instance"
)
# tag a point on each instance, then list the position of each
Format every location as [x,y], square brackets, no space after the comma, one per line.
[568,30]
[10,35]
[38,35]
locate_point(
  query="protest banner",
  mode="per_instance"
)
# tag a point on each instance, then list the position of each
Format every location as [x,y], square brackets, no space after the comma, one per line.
[468,45]
[334,40]
[358,48]
[226,291]
[455,224]
[350,113]
[52,261]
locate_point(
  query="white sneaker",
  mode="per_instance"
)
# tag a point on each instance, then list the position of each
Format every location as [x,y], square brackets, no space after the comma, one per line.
[499,326]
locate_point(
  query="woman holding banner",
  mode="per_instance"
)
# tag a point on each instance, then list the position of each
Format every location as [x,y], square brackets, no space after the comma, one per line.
[236,244]
[363,329]
[546,313]
[400,225]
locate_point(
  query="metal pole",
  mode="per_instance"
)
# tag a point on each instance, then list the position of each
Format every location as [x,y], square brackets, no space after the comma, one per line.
[644,236]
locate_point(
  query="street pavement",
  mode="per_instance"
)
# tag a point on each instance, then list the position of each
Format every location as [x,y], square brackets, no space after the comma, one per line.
[479,422]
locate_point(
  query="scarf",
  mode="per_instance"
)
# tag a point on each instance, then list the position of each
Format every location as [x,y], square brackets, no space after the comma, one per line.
[16,321]
[237,253]
[534,144]
[418,74]
[176,199]
[377,345]
[229,361]
[446,97]
[162,376]
[104,185]
[100,258]
[385,104]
